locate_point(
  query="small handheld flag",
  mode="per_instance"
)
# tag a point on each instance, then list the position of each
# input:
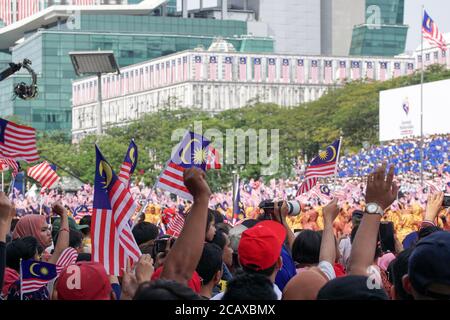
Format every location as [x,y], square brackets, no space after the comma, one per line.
[35,274]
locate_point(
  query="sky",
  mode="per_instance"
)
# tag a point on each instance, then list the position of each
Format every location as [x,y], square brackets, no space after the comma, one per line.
[439,11]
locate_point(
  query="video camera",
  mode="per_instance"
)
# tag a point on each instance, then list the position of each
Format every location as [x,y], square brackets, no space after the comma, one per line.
[268,207]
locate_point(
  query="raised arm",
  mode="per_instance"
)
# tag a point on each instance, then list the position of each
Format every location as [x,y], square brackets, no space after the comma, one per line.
[185,254]
[381,191]
[328,244]
[434,205]
[7,212]
[63,236]
[280,215]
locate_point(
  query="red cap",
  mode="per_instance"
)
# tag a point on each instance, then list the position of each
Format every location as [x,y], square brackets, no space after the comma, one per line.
[260,246]
[94,282]
[195,283]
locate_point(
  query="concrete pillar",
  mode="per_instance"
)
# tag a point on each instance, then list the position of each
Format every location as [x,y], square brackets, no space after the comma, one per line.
[224,9]
[185,8]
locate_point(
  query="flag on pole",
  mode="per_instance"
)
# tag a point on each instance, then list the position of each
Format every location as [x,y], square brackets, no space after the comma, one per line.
[185,68]
[285,70]
[271,70]
[300,71]
[44,174]
[228,65]
[328,71]
[198,68]
[190,152]
[342,71]
[17,142]
[6,164]
[431,32]
[180,70]
[113,243]
[213,68]
[397,70]
[322,166]
[257,69]
[410,68]
[443,57]
[237,204]
[35,274]
[383,69]
[322,192]
[356,70]
[314,71]
[129,163]
[242,68]
[68,257]
[175,225]
[369,72]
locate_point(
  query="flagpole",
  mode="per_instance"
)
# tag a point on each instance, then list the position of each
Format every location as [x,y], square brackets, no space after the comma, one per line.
[3,189]
[421,99]
[21,294]
[337,161]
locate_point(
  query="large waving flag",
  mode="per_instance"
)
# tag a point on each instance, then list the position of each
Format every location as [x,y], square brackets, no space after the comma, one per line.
[6,164]
[129,163]
[112,241]
[17,142]
[324,165]
[44,174]
[431,32]
[190,152]
[35,274]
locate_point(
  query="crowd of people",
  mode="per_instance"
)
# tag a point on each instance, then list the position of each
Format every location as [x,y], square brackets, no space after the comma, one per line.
[338,248]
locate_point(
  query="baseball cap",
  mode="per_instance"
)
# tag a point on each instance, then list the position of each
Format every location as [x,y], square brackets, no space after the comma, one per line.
[195,283]
[351,288]
[429,263]
[94,282]
[73,225]
[260,246]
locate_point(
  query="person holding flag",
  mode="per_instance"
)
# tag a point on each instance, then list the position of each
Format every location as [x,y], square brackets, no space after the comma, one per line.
[129,163]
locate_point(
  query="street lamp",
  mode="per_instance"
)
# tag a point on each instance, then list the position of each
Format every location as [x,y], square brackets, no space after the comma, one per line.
[95,62]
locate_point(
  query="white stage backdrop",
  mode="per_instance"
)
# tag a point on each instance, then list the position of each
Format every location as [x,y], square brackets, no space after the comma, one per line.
[400,110]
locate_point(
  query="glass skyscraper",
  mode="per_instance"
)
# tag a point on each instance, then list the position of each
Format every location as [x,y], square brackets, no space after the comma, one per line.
[384,32]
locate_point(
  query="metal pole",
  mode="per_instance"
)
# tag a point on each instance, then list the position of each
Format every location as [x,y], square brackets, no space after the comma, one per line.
[99,107]
[421,103]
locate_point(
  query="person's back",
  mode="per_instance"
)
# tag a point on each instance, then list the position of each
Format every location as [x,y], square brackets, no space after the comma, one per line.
[250,286]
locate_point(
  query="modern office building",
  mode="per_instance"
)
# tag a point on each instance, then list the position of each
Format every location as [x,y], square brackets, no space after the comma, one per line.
[219,79]
[134,32]
[383,33]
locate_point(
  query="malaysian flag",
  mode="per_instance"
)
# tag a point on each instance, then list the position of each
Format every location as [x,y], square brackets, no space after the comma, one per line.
[129,163]
[213,68]
[242,68]
[141,79]
[180,70]
[314,71]
[6,164]
[257,69]
[212,159]
[44,174]
[285,70]
[397,70]
[322,192]
[185,68]
[443,57]
[427,59]
[300,71]
[238,208]
[68,257]
[370,73]
[168,72]
[17,142]
[271,70]
[431,32]
[356,70]
[410,68]
[113,243]
[175,225]
[228,74]
[152,77]
[198,67]
[328,71]
[80,212]
[190,152]
[35,274]
[174,74]
[157,79]
[324,165]
[162,74]
[342,71]
[383,69]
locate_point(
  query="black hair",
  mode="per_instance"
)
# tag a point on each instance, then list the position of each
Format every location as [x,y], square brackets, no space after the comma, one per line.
[399,268]
[250,286]
[426,231]
[164,290]
[86,220]
[218,217]
[224,227]
[145,231]
[306,247]
[84,257]
[250,223]
[75,238]
[23,248]
[209,219]
[266,272]
[220,239]
[210,262]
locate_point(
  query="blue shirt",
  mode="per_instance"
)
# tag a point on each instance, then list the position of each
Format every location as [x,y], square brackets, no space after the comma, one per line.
[287,271]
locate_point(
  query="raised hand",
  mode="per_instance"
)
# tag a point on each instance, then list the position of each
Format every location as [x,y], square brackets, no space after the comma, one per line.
[434,205]
[144,268]
[5,208]
[380,188]
[330,212]
[59,209]
[195,182]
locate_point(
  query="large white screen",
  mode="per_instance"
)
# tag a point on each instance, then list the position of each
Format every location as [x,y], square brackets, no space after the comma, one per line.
[400,110]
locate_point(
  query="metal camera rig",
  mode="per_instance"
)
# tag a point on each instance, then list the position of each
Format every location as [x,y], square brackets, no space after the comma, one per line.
[22,90]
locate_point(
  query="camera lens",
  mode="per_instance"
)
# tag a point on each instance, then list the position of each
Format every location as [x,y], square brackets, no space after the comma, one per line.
[293,208]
